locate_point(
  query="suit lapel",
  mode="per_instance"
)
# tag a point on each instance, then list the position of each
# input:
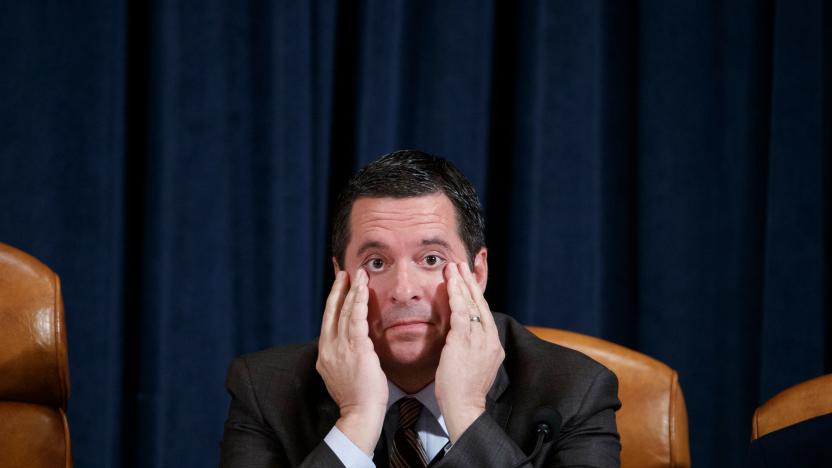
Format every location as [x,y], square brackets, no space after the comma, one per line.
[497,409]
[380,456]
[328,414]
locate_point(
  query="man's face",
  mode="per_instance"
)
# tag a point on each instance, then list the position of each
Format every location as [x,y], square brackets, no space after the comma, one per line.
[404,244]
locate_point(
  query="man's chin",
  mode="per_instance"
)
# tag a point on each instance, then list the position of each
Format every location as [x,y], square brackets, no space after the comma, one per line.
[415,353]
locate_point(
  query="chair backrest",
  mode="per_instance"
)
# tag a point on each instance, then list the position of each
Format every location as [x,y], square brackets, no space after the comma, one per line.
[653,420]
[795,404]
[34,370]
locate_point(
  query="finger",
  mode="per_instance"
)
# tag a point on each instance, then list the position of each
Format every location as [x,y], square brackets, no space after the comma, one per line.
[459,304]
[346,310]
[358,326]
[471,305]
[334,302]
[476,295]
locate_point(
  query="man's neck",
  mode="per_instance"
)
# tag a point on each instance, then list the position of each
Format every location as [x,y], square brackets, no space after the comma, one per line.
[411,382]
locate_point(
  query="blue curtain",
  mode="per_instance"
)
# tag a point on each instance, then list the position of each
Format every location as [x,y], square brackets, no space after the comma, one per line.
[654,173]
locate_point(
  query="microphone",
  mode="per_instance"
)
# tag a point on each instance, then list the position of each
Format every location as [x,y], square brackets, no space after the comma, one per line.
[546,423]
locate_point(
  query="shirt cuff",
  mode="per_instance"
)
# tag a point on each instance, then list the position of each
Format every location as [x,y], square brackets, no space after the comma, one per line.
[346,451]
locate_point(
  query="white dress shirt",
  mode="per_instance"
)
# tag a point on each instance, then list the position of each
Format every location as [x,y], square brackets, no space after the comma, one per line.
[430,427]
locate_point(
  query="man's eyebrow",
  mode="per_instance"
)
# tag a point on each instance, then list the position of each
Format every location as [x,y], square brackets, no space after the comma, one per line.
[371,245]
[436,241]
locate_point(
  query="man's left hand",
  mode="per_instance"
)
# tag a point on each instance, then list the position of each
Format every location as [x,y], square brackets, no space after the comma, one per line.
[472,353]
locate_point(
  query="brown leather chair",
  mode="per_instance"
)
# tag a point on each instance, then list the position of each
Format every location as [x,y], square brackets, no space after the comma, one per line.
[653,420]
[795,404]
[34,371]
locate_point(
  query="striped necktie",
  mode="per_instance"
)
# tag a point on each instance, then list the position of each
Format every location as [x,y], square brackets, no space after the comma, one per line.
[407,450]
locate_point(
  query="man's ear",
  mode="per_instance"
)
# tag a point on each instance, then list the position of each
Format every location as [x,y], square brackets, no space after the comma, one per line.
[481,268]
[335,267]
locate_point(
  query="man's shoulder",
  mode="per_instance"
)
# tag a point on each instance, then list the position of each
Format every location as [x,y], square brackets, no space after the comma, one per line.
[284,355]
[519,340]
[529,357]
[278,394]
[547,374]
[288,363]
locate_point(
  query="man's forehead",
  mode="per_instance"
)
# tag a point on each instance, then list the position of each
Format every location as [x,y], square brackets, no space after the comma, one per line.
[412,221]
[428,211]
[381,245]
[424,204]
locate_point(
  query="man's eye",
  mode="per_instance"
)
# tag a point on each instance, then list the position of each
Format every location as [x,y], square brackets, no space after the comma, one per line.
[432,260]
[375,264]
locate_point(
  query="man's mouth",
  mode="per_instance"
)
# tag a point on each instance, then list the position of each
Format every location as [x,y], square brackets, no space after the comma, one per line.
[406,324]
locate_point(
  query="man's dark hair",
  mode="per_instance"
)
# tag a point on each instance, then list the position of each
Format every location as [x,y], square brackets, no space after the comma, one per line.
[410,173]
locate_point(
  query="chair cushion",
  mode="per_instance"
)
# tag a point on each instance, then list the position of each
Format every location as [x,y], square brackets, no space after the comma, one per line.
[33,358]
[33,436]
[652,421]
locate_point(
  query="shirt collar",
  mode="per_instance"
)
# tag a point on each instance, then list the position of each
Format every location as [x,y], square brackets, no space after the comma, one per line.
[426,396]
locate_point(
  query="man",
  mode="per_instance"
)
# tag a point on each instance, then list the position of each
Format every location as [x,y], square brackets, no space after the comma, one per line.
[409,365]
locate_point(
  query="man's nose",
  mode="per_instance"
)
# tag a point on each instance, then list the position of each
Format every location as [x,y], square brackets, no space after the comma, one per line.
[404,289]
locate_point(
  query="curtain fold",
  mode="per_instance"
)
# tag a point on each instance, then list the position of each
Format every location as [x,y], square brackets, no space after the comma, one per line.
[653,174]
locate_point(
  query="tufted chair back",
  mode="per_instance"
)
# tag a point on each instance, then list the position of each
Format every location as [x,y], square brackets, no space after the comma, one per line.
[793,405]
[653,419]
[34,371]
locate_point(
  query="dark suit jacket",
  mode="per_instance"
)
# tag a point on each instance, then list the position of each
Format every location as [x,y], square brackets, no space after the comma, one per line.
[280,410]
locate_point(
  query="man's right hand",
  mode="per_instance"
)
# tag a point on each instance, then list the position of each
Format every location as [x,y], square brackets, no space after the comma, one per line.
[349,364]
